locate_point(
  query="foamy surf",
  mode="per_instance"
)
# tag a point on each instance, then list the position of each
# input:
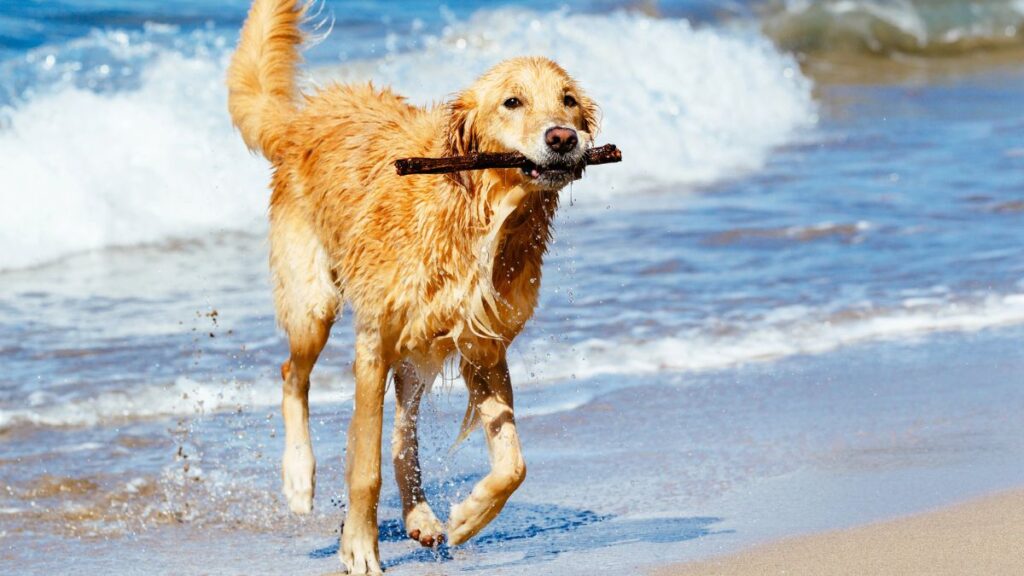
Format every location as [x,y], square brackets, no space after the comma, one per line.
[93,161]
[791,332]
[711,103]
[183,397]
[788,332]
[84,170]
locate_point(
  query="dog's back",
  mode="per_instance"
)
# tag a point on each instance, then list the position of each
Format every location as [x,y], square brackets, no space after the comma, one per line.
[334,186]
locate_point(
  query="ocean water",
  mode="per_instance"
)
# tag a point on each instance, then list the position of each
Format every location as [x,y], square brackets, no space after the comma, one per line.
[763,216]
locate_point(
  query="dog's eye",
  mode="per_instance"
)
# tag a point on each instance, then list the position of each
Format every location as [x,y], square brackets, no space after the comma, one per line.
[512,103]
[569,101]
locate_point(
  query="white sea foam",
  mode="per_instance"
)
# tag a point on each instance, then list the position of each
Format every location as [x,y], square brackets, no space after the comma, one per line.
[686,106]
[182,398]
[791,331]
[85,170]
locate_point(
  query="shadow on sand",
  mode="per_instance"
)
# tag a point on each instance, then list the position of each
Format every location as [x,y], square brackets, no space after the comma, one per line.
[532,533]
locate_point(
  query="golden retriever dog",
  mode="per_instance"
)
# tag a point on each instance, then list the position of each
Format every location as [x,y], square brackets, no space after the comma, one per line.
[433,267]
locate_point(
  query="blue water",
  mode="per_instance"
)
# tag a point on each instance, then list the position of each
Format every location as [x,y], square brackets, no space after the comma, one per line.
[765,218]
[27,25]
[370,27]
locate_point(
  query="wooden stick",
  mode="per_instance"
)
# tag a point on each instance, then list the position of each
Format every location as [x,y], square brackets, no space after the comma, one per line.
[482,160]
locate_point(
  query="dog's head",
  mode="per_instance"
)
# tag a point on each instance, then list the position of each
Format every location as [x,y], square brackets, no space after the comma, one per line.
[531,106]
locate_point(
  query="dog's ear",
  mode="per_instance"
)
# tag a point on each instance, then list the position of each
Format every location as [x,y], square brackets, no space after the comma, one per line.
[462,138]
[591,115]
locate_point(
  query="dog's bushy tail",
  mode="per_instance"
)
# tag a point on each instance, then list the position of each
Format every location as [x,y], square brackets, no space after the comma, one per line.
[261,77]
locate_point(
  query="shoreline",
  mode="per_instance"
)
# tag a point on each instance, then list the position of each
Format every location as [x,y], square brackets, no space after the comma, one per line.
[724,462]
[978,536]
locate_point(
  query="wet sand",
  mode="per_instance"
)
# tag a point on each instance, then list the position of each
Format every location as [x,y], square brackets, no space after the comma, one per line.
[978,537]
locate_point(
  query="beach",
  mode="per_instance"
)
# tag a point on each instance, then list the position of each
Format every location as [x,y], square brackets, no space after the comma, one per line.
[979,537]
[786,333]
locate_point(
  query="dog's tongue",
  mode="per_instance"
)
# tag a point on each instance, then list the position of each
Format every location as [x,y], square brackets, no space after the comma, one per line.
[535,173]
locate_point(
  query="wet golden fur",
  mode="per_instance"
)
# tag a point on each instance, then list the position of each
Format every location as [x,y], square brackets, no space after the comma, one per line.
[431,266]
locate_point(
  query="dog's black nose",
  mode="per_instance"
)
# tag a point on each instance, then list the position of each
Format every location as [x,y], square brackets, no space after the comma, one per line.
[561,140]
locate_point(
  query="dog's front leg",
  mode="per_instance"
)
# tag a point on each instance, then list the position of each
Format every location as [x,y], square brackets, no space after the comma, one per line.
[490,391]
[420,522]
[359,536]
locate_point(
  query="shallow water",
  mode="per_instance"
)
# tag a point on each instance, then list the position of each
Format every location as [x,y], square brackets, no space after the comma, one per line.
[767,238]
[652,469]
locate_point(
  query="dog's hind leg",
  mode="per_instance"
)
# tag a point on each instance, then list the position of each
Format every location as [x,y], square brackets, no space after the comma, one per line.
[298,466]
[359,549]
[307,302]
[490,393]
[420,522]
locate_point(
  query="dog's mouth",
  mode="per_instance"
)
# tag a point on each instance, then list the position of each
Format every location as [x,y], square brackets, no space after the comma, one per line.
[553,173]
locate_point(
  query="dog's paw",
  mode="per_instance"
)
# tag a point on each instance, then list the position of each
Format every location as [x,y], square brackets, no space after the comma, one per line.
[300,502]
[460,527]
[298,471]
[359,554]
[471,516]
[421,525]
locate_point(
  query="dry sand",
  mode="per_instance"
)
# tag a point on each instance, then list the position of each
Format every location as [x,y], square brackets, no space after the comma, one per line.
[981,537]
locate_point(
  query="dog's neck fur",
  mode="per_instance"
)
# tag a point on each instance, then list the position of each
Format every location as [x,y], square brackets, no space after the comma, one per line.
[500,234]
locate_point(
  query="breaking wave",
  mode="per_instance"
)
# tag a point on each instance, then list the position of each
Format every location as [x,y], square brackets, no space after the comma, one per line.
[927,27]
[710,102]
[123,138]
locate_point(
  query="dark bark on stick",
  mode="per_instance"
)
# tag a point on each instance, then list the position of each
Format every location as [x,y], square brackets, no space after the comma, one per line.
[482,160]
